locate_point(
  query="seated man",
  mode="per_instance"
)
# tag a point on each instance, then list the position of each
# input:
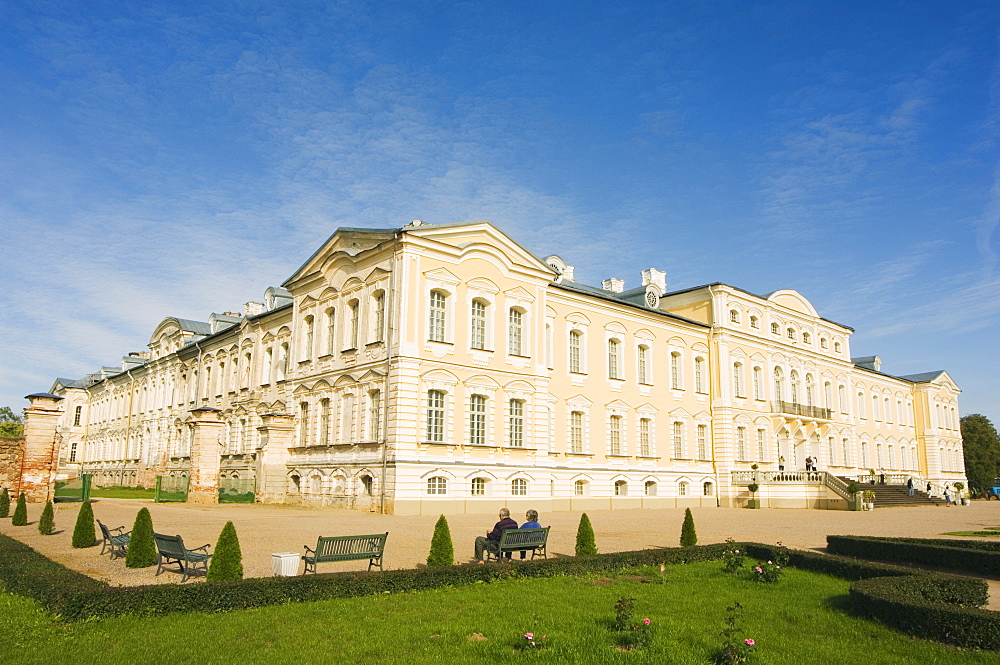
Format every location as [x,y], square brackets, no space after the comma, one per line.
[532,523]
[491,541]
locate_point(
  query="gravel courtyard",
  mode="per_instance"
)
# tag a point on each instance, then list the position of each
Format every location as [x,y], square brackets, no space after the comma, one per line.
[264,529]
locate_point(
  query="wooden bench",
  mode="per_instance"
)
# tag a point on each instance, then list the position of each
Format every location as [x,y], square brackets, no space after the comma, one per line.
[346,548]
[521,540]
[114,541]
[171,549]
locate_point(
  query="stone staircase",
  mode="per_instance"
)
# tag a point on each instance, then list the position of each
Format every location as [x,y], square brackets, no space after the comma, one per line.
[892,496]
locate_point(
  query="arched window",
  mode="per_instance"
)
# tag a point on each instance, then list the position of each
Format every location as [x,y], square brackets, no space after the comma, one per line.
[823,343]
[621,488]
[477,420]
[519,487]
[682,488]
[515,332]
[706,489]
[650,488]
[437,485]
[580,488]
[366,485]
[806,338]
[836,347]
[478,487]
[778,381]
[435,416]
[775,329]
[734,316]
[436,323]
[791,333]
[614,359]
[478,332]
[316,484]
[754,322]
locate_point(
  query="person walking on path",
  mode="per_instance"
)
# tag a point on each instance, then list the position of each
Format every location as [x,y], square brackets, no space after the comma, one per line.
[909,486]
[947,495]
[491,541]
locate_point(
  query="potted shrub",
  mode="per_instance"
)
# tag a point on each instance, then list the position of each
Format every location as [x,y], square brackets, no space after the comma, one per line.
[753,502]
[960,493]
[852,490]
[869,499]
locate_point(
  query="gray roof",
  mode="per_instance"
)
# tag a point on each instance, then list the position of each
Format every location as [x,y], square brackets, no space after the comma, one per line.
[72,383]
[923,377]
[628,299]
[197,327]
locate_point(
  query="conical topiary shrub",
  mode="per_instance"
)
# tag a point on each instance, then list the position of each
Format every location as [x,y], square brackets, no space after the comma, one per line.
[442,551]
[20,512]
[84,534]
[47,522]
[141,546]
[688,535]
[585,544]
[227,559]
[4,503]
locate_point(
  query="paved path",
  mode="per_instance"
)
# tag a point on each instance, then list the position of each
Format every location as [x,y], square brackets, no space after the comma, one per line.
[266,529]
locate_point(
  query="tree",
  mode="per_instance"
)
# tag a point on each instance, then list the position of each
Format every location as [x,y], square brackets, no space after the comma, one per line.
[4,503]
[442,551]
[227,560]
[688,536]
[982,452]
[11,424]
[141,546]
[20,512]
[47,522]
[585,543]
[84,534]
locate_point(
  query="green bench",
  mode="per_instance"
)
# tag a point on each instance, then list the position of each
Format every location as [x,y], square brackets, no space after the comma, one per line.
[521,540]
[115,540]
[346,548]
[171,549]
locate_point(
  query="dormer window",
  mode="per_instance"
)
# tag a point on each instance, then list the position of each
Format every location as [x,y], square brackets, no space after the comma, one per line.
[734,316]
[754,322]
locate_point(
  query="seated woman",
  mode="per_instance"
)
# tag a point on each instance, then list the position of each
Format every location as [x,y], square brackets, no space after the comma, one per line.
[532,523]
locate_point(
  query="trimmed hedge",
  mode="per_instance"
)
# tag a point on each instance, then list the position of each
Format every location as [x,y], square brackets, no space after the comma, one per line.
[921,606]
[973,556]
[74,596]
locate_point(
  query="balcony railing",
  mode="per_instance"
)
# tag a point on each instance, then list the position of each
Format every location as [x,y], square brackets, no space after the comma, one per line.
[805,410]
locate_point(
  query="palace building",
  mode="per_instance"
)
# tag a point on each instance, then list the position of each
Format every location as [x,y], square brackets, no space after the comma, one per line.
[444,369]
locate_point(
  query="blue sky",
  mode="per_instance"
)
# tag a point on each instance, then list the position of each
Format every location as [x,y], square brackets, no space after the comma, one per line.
[177,159]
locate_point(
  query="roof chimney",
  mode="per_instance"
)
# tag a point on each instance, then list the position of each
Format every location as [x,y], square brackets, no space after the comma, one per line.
[655,277]
[614,285]
[252,308]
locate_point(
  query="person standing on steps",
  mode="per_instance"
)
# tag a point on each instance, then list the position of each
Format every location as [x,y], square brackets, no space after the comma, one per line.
[909,486]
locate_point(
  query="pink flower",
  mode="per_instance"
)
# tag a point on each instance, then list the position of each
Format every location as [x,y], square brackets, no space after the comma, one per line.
[532,643]
[544,636]
[749,642]
[530,636]
[769,563]
[737,551]
[758,569]
[646,621]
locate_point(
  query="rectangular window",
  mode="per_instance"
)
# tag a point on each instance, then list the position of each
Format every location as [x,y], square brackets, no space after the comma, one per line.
[435,416]
[675,371]
[678,436]
[757,383]
[379,318]
[644,364]
[354,324]
[435,332]
[574,352]
[331,333]
[615,435]
[702,441]
[324,422]
[761,446]
[304,424]
[77,415]
[738,381]
[516,423]
[576,432]
[307,352]
[478,334]
[477,420]
[613,359]
[644,437]
[699,375]
[374,414]
[515,333]
[478,487]
[741,443]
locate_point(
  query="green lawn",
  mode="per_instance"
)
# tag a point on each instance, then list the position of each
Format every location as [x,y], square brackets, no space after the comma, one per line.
[122,493]
[990,531]
[796,622]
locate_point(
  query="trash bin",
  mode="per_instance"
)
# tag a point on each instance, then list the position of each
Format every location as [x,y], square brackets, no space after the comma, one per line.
[285,564]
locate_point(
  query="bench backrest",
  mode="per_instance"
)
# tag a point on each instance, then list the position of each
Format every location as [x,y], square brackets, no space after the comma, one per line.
[170,546]
[524,537]
[104,531]
[337,546]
